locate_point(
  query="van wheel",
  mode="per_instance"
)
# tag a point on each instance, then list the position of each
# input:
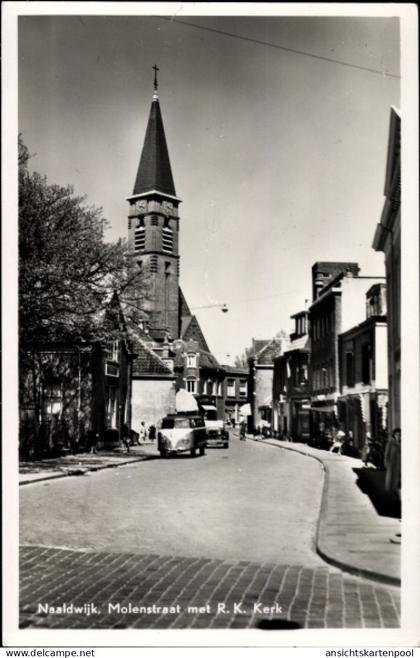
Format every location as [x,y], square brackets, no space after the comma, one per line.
[192,452]
[202,450]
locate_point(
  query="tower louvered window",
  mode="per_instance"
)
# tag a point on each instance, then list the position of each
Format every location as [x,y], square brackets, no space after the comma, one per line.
[167,240]
[154,263]
[139,239]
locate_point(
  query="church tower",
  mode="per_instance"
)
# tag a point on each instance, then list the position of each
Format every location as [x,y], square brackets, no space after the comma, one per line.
[153,227]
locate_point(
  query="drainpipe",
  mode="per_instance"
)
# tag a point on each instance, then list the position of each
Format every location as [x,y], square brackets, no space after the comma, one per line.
[129,393]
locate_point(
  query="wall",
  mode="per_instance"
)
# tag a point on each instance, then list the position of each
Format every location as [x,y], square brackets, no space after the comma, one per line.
[353,300]
[152,399]
[263,389]
[393,273]
[381,357]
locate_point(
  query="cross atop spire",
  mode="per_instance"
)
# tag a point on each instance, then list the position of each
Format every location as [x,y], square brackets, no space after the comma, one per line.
[155,83]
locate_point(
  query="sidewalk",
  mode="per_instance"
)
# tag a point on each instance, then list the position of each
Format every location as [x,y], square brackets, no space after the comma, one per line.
[351,534]
[80,464]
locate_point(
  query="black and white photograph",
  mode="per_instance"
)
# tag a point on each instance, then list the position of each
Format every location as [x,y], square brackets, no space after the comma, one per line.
[212,435]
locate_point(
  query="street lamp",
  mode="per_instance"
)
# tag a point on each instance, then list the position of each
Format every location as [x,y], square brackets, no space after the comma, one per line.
[223,307]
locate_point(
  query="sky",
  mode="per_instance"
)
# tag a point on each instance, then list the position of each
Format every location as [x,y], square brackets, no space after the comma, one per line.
[279,158]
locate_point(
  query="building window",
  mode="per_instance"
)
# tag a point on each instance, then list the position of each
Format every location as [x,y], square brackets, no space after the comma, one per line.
[167,240]
[209,387]
[154,220]
[243,388]
[192,385]
[230,388]
[111,408]
[191,360]
[366,363]
[112,351]
[112,358]
[349,358]
[52,399]
[219,388]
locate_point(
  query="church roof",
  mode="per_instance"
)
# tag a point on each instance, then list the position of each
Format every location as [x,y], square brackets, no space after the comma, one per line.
[183,306]
[147,363]
[154,171]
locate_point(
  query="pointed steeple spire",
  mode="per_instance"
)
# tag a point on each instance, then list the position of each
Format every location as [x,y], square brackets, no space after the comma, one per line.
[154,171]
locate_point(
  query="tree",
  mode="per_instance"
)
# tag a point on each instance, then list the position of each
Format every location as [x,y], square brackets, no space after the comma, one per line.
[67,272]
[242,360]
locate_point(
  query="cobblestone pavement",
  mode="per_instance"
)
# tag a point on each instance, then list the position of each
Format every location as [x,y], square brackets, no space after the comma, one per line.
[104,585]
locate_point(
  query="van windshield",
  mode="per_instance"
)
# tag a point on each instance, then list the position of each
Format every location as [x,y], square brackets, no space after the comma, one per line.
[182,422]
[171,423]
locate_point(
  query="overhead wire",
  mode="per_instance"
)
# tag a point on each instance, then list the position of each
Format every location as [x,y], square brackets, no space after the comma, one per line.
[279,47]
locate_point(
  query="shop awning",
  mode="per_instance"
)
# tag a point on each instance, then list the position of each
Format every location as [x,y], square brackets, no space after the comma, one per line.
[325,409]
[245,410]
[208,407]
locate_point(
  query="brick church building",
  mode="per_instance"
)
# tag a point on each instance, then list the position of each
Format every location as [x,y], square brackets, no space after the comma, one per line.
[182,358]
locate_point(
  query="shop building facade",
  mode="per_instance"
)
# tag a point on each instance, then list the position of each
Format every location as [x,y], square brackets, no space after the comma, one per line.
[363,400]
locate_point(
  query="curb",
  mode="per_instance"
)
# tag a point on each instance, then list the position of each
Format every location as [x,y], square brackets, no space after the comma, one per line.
[344,566]
[83,471]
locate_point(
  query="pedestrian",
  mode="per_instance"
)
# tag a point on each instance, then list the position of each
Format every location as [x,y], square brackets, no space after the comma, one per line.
[242,431]
[348,445]
[337,445]
[92,441]
[367,451]
[393,464]
[392,461]
[152,433]
[125,437]
[142,433]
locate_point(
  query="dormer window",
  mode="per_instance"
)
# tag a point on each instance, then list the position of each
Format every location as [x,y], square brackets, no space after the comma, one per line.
[191,360]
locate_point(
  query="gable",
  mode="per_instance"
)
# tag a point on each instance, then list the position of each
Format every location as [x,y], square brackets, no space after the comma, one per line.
[193,332]
[272,349]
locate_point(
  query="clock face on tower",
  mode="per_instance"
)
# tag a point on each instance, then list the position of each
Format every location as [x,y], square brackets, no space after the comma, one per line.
[141,206]
[167,207]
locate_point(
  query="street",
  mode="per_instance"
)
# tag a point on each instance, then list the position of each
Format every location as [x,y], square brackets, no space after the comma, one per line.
[235,527]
